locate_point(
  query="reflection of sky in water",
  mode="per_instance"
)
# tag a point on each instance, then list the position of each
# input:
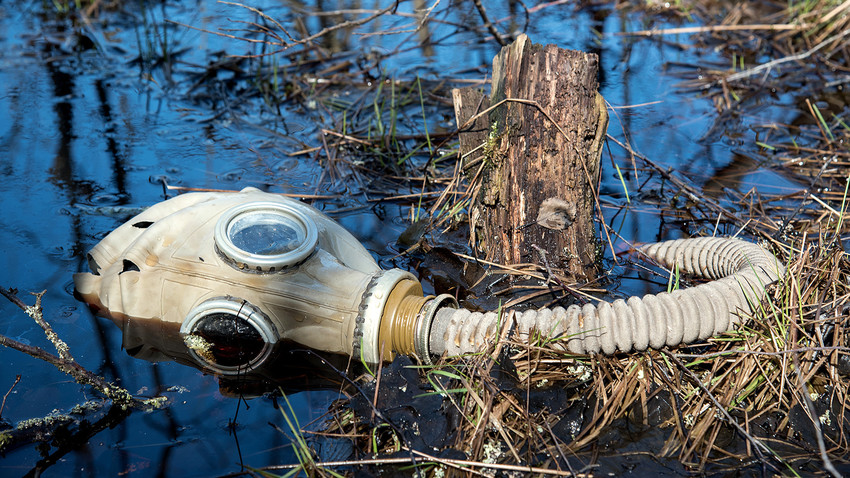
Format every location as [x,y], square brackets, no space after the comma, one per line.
[81,128]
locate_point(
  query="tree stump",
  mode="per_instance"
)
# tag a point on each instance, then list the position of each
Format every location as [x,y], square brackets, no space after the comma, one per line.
[536,154]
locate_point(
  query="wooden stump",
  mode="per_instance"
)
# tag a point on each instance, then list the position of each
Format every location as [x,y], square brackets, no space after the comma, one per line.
[537,155]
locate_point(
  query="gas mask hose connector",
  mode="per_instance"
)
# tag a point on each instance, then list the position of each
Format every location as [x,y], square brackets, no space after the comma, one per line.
[404,331]
[424,321]
[398,321]
[406,321]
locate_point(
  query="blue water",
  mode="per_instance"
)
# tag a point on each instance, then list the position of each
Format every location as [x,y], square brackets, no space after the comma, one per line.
[90,117]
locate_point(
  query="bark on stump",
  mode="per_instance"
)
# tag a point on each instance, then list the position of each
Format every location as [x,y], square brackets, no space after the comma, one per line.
[537,154]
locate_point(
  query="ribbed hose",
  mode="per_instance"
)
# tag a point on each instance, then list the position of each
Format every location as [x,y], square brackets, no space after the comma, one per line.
[741,271]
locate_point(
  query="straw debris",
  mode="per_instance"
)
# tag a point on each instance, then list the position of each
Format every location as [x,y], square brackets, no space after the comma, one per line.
[771,395]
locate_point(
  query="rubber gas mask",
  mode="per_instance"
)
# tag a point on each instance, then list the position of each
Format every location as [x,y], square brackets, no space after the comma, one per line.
[234,274]
[219,279]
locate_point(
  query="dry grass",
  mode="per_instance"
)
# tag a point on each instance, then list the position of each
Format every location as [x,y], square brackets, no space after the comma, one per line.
[764,395]
[771,396]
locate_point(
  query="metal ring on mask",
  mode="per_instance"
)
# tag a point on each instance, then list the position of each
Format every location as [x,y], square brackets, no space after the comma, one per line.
[230,316]
[265,236]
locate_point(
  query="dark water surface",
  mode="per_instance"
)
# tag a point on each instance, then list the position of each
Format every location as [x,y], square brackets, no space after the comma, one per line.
[93,118]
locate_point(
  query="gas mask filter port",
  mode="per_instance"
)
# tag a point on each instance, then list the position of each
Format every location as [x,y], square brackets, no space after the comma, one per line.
[265,236]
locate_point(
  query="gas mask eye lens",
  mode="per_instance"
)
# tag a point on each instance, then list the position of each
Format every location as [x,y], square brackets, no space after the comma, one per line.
[230,341]
[264,233]
[228,335]
[265,236]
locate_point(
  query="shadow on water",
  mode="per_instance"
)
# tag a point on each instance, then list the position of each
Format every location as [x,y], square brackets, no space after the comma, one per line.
[99,111]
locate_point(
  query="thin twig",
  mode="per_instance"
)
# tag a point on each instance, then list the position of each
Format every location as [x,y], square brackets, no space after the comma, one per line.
[554,277]
[37,313]
[289,195]
[424,17]
[802,202]
[776,353]
[464,464]
[759,447]
[262,14]
[284,45]
[66,363]
[779,61]
[487,23]
[813,416]
[15,383]
[715,28]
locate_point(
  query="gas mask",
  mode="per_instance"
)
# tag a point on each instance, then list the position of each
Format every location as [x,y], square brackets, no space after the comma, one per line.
[220,279]
[233,274]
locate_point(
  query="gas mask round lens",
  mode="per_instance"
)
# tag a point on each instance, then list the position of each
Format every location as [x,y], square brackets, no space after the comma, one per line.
[228,335]
[265,236]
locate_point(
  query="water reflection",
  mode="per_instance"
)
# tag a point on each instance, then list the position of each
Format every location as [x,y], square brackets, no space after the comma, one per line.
[119,166]
[290,367]
[84,126]
[65,143]
[730,176]
[423,30]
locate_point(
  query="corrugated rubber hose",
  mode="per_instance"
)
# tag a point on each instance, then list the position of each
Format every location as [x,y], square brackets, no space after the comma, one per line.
[740,271]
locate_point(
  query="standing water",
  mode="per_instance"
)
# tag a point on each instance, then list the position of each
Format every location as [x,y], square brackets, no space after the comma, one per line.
[105,111]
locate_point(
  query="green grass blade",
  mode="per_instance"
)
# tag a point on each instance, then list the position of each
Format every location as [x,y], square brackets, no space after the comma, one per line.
[823,122]
[623,182]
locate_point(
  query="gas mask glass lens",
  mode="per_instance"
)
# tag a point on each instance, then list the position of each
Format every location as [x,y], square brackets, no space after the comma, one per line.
[229,335]
[264,233]
[265,236]
[230,340]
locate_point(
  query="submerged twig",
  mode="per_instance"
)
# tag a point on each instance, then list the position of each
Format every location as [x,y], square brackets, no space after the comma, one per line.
[65,361]
[6,395]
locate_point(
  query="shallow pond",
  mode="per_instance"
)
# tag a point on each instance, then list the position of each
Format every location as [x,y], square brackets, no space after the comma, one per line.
[97,115]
